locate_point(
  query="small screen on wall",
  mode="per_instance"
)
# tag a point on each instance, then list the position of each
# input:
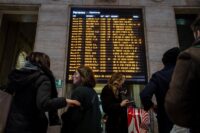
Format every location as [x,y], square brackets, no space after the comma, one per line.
[107,40]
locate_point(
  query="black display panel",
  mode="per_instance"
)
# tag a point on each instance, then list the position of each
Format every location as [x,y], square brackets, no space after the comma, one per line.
[107,40]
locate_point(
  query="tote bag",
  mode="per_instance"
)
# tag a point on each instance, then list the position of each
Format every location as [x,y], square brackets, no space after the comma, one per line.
[5,102]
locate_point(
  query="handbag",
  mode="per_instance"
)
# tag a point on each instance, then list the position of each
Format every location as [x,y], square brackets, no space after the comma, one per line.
[5,102]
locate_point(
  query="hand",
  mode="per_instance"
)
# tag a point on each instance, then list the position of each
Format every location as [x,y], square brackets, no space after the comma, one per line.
[124,103]
[73,102]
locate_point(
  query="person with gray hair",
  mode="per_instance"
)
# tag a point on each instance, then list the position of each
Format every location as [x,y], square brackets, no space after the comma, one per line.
[182,98]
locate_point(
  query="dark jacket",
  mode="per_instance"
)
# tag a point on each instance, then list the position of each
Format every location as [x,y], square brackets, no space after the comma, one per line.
[117,116]
[182,99]
[158,85]
[84,119]
[33,91]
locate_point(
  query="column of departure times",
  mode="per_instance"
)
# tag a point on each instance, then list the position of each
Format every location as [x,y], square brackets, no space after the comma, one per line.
[103,51]
[91,43]
[76,44]
[124,50]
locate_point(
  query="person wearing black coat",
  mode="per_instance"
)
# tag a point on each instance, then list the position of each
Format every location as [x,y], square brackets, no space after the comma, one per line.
[158,85]
[34,90]
[114,106]
[85,118]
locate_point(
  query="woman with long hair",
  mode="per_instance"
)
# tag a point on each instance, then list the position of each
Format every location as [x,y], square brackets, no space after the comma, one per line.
[34,90]
[87,117]
[114,105]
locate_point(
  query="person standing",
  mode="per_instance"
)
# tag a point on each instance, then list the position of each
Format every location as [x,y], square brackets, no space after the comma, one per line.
[158,86]
[114,106]
[34,90]
[182,98]
[85,118]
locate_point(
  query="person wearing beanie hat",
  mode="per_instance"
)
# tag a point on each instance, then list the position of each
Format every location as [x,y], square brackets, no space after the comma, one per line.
[168,57]
[182,98]
[158,86]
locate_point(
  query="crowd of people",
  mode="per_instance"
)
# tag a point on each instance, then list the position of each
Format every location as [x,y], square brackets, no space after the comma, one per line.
[175,87]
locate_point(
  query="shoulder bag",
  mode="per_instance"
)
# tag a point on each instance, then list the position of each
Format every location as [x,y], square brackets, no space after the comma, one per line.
[5,102]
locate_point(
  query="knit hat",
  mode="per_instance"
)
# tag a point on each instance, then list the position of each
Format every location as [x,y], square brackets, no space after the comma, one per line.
[170,56]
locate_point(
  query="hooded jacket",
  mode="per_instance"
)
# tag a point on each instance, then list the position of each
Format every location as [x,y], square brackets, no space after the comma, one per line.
[32,90]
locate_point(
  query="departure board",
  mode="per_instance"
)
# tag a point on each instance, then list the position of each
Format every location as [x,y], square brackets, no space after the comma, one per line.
[107,40]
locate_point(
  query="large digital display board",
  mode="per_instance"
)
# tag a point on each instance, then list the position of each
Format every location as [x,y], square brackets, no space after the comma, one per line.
[107,40]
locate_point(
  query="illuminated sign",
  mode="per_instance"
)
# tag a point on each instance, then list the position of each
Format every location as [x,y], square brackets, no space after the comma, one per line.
[107,40]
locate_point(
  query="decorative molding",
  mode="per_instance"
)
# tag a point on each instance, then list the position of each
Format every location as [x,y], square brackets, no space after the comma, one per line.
[106,1]
[157,0]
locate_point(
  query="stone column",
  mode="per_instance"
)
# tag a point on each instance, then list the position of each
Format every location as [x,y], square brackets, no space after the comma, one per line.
[51,36]
[161,34]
